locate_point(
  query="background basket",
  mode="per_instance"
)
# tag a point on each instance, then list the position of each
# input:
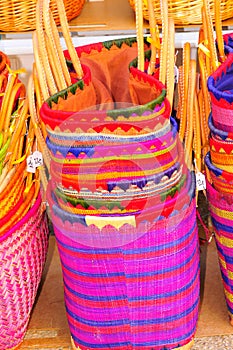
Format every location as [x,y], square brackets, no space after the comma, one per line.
[185,12]
[19,16]
[22,256]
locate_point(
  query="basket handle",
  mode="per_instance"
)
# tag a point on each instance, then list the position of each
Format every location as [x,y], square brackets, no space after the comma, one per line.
[218,29]
[66,33]
[164,43]
[36,123]
[154,32]
[139,33]
[207,22]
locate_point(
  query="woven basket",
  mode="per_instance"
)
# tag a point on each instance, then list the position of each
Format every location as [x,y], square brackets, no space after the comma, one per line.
[224,135]
[185,12]
[120,269]
[220,86]
[20,16]
[221,210]
[23,252]
[222,179]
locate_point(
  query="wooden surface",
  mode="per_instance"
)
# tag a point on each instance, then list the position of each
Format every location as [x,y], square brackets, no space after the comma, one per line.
[107,15]
[48,328]
[114,15]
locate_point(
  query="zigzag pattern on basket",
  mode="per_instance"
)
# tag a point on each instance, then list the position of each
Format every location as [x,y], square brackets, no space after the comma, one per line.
[122,204]
[219,165]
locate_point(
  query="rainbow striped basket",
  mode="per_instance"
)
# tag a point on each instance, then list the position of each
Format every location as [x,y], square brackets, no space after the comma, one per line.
[122,203]
[220,86]
[221,210]
[131,281]
[23,251]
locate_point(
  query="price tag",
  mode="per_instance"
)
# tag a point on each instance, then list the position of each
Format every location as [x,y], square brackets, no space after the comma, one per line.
[176,74]
[200,181]
[31,168]
[38,158]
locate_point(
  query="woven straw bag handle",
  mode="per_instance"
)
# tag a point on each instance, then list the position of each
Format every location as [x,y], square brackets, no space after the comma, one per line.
[183,96]
[50,62]
[154,32]
[218,29]
[12,88]
[139,32]
[38,133]
[208,27]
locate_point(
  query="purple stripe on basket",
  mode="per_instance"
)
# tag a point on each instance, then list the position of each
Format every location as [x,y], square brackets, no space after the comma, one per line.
[151,268]
[147,243]
[158,337]
[136,290]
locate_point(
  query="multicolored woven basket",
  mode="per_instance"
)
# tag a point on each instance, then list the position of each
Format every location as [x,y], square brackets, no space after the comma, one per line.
[220,85]
[122,204]
[23,251]
[221,210]
[143,275]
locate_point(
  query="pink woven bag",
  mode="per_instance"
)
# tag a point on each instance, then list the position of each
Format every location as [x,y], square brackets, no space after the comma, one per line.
[23,251]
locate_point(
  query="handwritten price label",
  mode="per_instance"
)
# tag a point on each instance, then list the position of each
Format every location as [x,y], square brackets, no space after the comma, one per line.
[38,158]
[31,167]
[200,181]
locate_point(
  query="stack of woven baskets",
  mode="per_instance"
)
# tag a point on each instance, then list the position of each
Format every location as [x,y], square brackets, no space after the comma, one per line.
[23,220]
[122,204]
[219,164]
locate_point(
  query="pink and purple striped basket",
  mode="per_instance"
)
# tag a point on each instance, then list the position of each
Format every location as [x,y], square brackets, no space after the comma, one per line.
[23,251]
[220,86]
[221,210]
[135,286]
[122,203]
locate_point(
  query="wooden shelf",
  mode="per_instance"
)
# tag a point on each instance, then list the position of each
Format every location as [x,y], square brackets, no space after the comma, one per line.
[107,15]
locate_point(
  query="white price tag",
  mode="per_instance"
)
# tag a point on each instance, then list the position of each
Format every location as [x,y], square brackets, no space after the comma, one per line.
[38,158]
[176,74]
[200,181]
[31,168]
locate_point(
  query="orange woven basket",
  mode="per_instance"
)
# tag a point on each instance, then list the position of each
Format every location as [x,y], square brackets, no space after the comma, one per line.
[185,12]
[20,16]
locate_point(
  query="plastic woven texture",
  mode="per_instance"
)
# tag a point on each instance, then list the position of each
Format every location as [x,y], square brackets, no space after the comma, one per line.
[221,179]
[144,277]
[185,12]
[146,169]
[20,16]
[224,135]
[220,86]
[221,210]
[22,257]
[221,153]
[228,40]
[67,149]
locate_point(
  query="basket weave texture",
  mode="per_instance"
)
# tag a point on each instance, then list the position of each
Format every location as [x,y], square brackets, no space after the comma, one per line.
[19,16]
[222,216]
[185,12]
[22,257]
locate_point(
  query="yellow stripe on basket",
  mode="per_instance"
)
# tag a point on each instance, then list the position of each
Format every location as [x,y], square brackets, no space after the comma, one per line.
[117,222]
[228,295]
[229,273]
[115,174]
[227,242]
[222,213]
[87,160]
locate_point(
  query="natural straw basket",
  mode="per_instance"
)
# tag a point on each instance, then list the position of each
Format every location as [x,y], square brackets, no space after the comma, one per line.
[20,16]
[185,12]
